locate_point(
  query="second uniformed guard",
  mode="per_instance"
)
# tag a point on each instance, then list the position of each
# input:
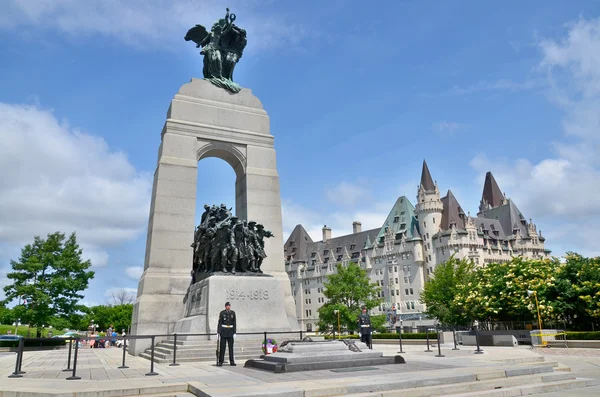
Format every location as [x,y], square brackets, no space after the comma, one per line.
[226,331]
[364,322]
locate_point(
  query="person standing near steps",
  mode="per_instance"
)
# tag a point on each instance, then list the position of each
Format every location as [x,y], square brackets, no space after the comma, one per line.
[364,321]
[226,331]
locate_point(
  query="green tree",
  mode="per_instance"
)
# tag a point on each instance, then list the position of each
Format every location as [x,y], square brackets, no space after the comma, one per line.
[50,274]
[499,290]
[346,291]
[585,282]
[439,292]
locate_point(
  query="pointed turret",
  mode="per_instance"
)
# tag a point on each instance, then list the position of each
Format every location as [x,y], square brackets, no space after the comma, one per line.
[492,196]
[426,179]
[453,213]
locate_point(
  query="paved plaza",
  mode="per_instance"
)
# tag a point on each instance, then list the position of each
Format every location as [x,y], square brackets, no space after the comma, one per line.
[99,372]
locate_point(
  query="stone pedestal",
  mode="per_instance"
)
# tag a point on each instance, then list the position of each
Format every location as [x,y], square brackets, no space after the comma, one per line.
[255,300]
[206,121]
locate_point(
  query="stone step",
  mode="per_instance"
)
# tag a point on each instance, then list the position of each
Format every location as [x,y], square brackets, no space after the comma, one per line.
[167,360]
[186,354]
[530,389]
[212,344]
[179,389]
[164,352]
[210,349]
[492,381]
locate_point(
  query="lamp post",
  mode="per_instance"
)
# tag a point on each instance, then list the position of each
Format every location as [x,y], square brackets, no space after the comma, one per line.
[17,324]
[338,318]
[534,293]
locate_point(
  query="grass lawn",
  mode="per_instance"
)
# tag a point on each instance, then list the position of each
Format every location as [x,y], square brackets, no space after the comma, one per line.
[22,330]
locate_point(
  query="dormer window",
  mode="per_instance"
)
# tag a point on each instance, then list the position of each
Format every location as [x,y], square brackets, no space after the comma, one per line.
[396,219]
[338,249]
[352,247]
[325,252]
[403,226]
[292,243]
[312,255]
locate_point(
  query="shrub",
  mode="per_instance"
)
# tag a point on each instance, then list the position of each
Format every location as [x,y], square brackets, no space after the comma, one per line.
[595,335]
[387,335]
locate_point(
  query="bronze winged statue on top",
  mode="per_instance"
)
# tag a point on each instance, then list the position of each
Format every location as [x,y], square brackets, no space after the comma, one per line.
[222,48]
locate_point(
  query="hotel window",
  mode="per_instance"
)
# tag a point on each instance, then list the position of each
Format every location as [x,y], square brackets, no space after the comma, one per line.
[406,291]
[411,291]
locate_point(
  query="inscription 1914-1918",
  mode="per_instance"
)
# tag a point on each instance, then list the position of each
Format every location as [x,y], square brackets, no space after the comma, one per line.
[255,294]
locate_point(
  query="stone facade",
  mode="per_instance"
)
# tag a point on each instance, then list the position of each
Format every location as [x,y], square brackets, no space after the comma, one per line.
[404,251]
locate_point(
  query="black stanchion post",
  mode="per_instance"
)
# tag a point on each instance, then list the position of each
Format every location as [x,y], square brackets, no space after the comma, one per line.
[454,337]
[174,363]
[437,331]
[399,329]
[123,366]
[74,375]
[300,334]
[21,346]
[152,373]
[17,373]
[427,336]
[476,327]
[69,357]
[478,351]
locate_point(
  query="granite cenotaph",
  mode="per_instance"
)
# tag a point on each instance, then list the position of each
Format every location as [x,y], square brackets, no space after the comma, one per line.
[214,117]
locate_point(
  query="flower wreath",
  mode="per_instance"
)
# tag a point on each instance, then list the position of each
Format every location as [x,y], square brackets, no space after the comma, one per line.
[269,346]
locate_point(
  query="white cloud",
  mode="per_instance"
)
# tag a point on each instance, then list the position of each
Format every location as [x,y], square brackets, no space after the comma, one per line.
[348,194]
[563,190]
[152,24]
[109,292]
[99,258]
[134,272]
[371,213]
[57,178]
[447,126]
[498,85]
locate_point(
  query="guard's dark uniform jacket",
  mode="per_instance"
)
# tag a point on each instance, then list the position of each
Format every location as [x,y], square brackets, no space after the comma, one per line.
[226,325]
[226,330]
[364,322]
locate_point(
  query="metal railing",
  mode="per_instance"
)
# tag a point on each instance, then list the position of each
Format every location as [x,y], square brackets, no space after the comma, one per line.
[72,364]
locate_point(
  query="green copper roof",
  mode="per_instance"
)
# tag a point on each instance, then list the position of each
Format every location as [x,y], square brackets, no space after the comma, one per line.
[401,218]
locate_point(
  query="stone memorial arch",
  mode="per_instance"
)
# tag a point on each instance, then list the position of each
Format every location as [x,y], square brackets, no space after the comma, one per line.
[204,120]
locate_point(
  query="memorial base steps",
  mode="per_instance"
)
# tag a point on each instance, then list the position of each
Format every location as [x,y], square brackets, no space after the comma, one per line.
[492,381]
[202,350]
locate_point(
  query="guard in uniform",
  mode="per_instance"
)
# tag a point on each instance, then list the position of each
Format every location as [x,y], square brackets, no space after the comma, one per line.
[226,331]
[364,322]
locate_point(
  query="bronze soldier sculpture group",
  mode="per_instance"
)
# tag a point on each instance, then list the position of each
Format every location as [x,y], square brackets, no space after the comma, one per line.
[225,243]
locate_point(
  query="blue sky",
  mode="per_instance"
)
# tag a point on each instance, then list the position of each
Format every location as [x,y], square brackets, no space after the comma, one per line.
[358,96]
